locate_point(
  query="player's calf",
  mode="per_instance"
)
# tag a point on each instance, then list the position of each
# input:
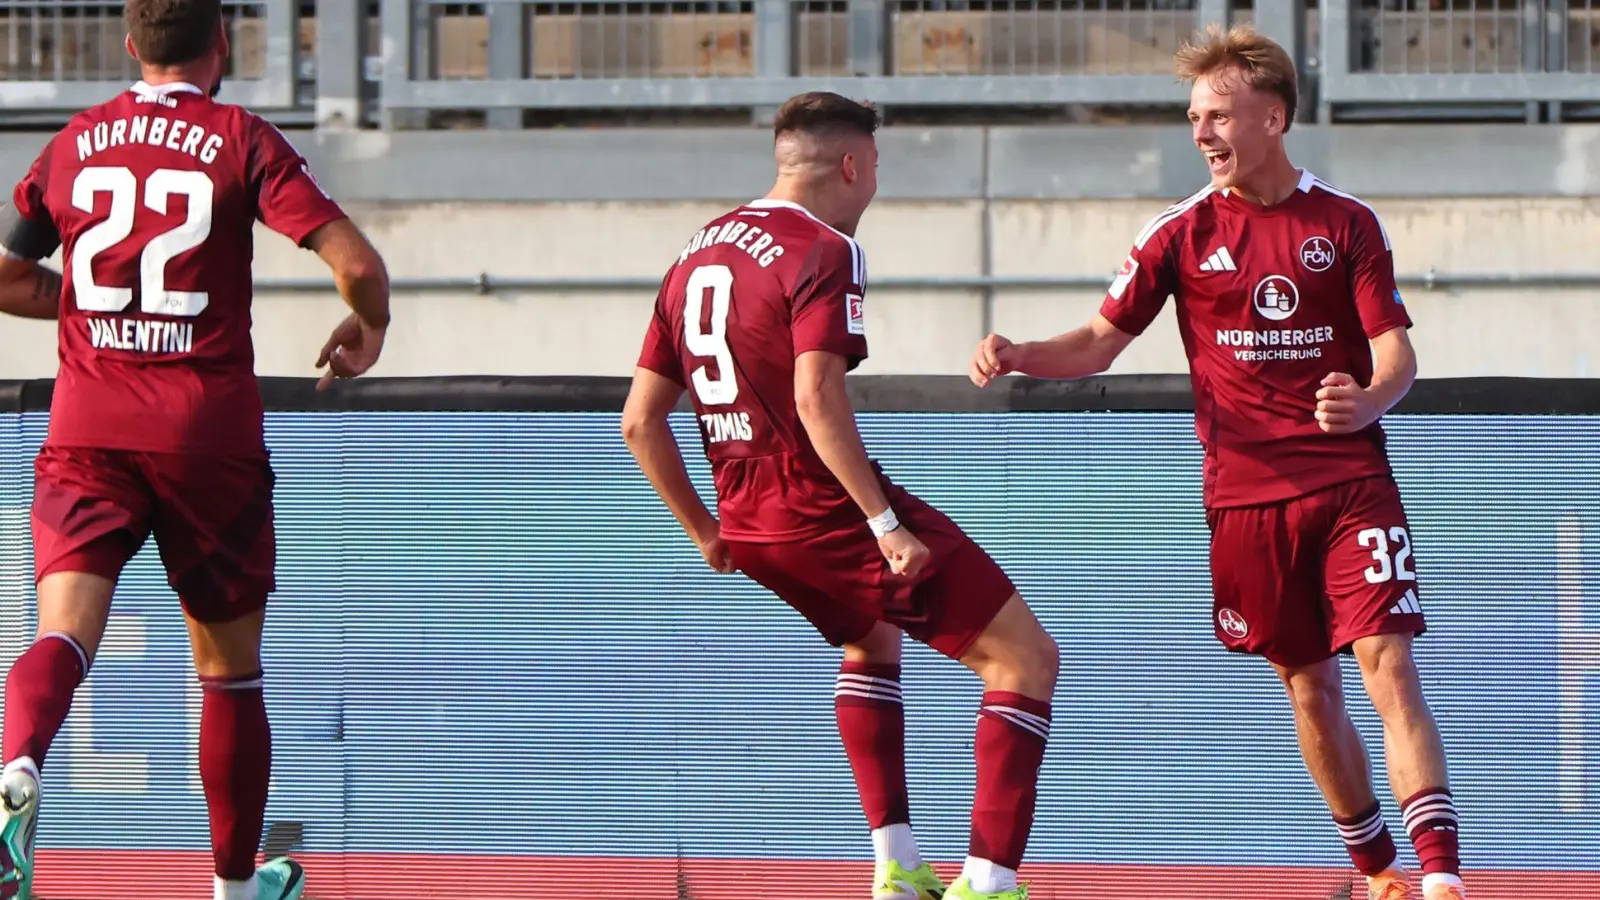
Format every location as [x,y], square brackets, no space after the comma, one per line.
[867,706]
[1417,768]
[1337,761]
[73,607]
[1018,662]
[235,751]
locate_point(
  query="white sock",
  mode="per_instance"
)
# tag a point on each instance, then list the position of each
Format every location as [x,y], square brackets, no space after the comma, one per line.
[1395,868]
[1436,879]
[234,890]
[26,764]
[896,842]
[988,878]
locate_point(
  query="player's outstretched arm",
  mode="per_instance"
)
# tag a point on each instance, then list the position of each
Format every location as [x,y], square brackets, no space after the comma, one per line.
[1081,352]
[28,289]
[823,404]
[363,282]
[650,440]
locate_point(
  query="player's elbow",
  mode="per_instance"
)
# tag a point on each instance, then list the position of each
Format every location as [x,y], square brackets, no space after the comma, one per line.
[364,273]
[813,402]
[638,426]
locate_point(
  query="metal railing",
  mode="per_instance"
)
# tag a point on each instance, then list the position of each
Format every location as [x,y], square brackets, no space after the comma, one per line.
[61,56]
[1460,52]
[336,61]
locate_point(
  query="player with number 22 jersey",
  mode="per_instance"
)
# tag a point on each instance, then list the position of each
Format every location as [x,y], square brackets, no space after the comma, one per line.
[156,423]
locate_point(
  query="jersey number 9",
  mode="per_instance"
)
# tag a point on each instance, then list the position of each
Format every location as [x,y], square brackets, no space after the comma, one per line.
[710,343]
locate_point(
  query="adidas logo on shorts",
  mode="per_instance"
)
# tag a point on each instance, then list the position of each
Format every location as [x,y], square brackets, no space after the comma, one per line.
[1408,605]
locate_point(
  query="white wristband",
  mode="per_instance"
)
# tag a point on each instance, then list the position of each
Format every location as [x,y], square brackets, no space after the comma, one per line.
[883,523]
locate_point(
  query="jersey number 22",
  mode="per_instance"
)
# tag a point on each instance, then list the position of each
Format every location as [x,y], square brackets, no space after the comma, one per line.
[159,188]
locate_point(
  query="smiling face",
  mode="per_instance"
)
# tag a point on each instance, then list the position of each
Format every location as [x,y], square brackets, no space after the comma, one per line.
[1237,128]
[1242,102]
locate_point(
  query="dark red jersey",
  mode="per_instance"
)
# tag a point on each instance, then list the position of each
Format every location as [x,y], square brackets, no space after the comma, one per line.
[1270,300]
[750,292]
[153,196]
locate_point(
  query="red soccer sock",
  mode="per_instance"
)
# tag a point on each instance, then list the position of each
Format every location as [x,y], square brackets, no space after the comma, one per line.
[1431,821]
[1012,733]
[872,724]
[39,694]
[235,769]
[1366,837]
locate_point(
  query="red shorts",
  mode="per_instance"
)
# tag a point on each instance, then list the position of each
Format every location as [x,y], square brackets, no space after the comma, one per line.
[840,581]
[1300,581]
[211,516]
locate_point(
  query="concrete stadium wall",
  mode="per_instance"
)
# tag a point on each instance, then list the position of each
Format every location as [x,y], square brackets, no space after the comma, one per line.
[1040,203]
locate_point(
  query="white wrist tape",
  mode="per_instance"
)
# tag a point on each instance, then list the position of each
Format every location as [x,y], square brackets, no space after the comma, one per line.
[883,523]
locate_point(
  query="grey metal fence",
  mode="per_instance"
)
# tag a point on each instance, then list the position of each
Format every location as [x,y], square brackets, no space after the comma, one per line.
[337,61]
[60,56]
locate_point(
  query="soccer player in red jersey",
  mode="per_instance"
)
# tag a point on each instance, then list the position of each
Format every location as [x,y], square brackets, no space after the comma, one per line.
[1297,344]
[156,422]
[761,317]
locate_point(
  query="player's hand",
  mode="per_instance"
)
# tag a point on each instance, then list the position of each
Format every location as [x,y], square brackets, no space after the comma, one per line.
[717,554]
[350,351]
[996,356]
[1343,406]
[906,554]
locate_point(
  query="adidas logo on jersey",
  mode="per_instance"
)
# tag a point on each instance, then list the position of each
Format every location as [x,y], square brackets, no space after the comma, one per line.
[1409,605]
[1220,261]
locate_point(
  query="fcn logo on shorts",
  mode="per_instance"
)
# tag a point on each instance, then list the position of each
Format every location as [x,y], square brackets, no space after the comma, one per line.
[1232,624]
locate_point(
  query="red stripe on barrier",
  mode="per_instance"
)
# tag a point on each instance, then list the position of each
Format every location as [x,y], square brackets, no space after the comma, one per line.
[186,875]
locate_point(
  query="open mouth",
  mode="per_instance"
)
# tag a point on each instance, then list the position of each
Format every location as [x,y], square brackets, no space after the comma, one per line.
[1218,159]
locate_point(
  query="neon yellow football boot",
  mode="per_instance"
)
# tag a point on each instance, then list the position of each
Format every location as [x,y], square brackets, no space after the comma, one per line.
[891,881]
[962,890]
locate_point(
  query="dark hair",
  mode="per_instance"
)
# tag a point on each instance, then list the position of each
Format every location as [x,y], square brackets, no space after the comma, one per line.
[818,112]
[1261,61]
[172,32]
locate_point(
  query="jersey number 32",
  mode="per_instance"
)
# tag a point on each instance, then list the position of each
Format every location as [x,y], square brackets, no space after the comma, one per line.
[159,188]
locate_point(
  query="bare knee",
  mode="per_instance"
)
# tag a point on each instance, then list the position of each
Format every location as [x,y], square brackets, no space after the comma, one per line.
[881,646]
[76,604]
[227,649]
[1390,675]
[1016,654]
[1316,691]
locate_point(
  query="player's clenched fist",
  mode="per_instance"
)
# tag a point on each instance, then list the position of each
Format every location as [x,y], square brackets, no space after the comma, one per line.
[996,356]
[717,555]
[906,554]
[1343,406]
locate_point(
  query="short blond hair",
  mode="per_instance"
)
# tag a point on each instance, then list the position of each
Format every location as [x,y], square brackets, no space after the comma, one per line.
[1261,61]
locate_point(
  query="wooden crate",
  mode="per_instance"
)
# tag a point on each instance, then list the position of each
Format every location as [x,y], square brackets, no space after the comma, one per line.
[1037,42]
[1437,42]
[700,45]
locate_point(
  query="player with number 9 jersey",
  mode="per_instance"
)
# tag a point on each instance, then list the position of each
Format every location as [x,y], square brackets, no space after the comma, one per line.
[761,277]
[760,318]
